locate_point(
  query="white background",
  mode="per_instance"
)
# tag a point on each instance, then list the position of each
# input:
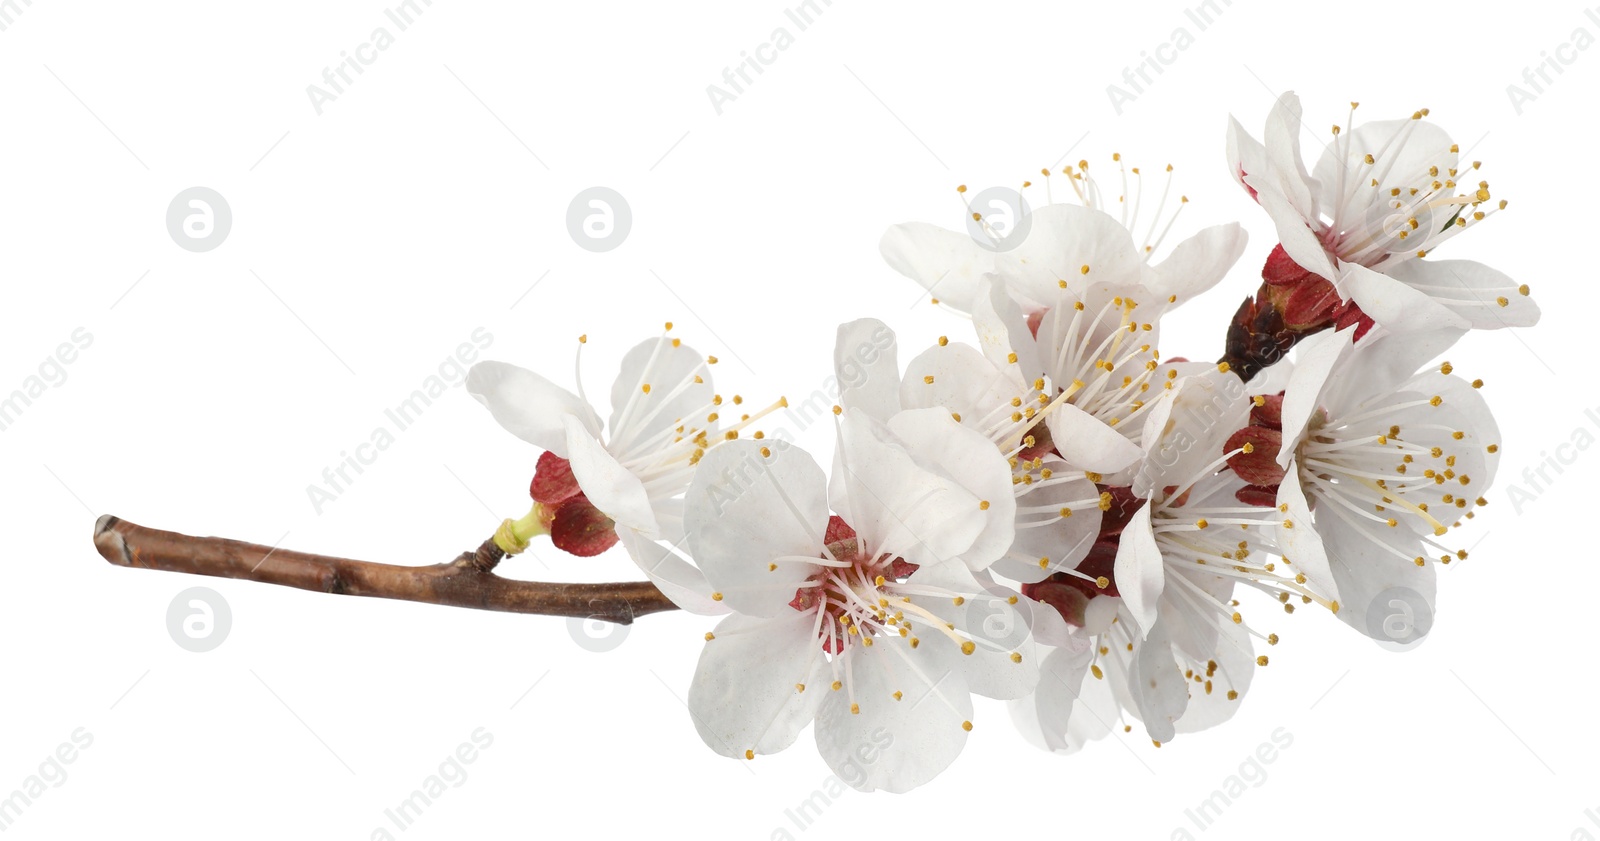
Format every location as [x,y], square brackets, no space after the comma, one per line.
[430,200]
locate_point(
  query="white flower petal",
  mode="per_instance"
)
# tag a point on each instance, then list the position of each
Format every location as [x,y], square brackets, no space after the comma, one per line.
[1160,691]
[616,492]
[1294,233]
[895,744]
[1396,164]
[1365,571]
[1003,333]
[1046,717]
[1471,290]
[1139,570]
[946,263]
[997,629]
[1246,156]
[679,580]
[743,511]
[1189,426]
[964,382]
[1471,414]
[668,370]
[1282,141]
[1384,361]
[1396,305]
[1087,442]
[1062,240]
[1318,356]
[897,503]
[745,696]
[972,460]
[1064,540]
[1236,666]
[1199,262]
[528,405]
[868,372]
[1297,536]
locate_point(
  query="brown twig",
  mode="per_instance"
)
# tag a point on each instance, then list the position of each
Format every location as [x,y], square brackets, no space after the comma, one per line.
[467,581]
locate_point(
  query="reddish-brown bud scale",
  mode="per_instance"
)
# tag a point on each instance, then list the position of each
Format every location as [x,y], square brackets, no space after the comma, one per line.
[1070,594]
[1260,465]
[1291,304]
[1257,496]
[574,524]
[553,481]
[581,529]
[1123,506]
[1270,413]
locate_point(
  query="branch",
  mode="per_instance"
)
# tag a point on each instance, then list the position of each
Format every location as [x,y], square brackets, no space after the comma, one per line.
[467,581]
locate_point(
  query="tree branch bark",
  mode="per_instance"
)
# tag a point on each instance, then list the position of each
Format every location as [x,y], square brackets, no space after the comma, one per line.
[467,581]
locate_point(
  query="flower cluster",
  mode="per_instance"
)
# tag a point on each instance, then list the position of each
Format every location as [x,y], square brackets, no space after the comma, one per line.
[1056,513]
